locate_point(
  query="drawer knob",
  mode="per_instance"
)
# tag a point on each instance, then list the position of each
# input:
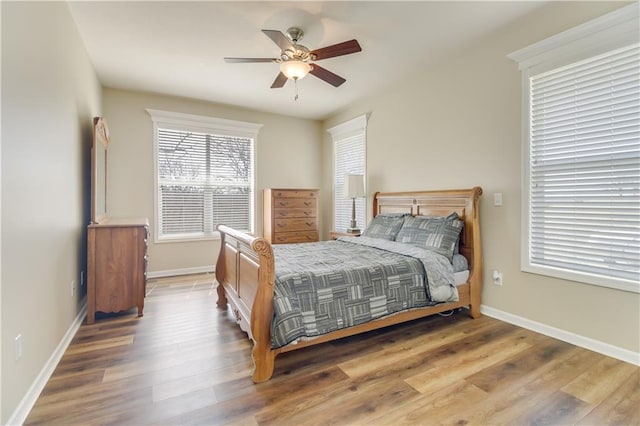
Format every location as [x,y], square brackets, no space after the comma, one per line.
[307,203]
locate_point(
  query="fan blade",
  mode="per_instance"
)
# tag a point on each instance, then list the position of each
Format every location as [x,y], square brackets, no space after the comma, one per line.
[344,48]
[280,39]
[326,75]
[280,80]
[246,60]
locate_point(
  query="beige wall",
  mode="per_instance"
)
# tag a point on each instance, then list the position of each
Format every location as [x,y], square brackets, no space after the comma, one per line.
[459,126]
[49,94]
[288,153]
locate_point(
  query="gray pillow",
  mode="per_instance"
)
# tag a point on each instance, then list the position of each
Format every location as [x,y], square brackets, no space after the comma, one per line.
[460,263]
[436,233]
[385,226]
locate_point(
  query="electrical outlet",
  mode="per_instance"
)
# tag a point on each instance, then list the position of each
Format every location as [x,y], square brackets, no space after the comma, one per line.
[497,277]
[17,346]
[73,288]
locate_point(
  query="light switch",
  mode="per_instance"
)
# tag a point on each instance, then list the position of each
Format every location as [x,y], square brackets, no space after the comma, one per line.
[497,199]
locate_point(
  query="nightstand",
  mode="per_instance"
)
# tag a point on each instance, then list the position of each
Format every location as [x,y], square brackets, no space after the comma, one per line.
[336,234]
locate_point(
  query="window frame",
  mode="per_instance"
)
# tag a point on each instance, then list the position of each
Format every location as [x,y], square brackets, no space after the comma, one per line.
[601,35]
[201,124]
[356,127]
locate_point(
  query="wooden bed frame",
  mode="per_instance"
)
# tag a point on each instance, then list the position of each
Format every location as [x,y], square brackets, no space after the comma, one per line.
[245,272]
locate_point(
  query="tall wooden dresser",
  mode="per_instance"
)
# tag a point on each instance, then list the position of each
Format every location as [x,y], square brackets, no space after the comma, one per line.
[117,266]
[290,215]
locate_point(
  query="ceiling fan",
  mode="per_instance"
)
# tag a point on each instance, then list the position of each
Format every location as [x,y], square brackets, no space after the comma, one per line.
[296,60]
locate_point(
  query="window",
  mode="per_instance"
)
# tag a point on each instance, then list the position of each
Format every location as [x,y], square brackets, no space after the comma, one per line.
[204,175]
[581,216]
[349,141]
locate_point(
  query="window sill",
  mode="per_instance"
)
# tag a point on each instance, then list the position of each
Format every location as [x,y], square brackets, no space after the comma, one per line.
[584,278]
[187,239]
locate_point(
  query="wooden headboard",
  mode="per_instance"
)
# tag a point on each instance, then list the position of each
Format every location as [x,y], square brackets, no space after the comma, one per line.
[465,202]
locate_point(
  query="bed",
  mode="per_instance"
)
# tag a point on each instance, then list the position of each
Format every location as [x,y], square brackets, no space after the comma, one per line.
[249,287]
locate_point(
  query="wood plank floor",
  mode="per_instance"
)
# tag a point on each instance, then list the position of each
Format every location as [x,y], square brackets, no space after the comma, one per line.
[186,362]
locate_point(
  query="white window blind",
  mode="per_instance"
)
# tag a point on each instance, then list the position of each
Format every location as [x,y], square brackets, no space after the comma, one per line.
[349,158]
[204,175]
[584,167]
[349,140]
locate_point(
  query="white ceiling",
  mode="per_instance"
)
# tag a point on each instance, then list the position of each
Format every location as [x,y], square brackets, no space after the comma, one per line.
[177,48]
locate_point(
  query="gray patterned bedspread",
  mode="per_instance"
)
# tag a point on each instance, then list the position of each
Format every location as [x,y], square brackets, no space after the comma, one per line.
[322,287]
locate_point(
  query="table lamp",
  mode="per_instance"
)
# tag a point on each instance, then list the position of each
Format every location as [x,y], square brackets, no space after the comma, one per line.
[353,188]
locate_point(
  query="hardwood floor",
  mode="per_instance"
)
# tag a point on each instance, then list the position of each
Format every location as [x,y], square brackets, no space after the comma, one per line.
[186,362]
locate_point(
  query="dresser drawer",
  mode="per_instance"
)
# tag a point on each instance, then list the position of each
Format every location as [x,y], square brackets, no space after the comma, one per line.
[295,224]
[295,203]
[290,213]
[294,193]
[295,237]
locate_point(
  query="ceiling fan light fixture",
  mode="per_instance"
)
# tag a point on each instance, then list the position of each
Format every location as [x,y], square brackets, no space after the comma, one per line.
[295,70]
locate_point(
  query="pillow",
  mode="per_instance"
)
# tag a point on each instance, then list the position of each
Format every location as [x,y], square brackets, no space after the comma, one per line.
[385,226]
[460,263]
[436,233]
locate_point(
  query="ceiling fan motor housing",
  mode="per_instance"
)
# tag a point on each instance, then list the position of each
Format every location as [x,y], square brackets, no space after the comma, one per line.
[299,52]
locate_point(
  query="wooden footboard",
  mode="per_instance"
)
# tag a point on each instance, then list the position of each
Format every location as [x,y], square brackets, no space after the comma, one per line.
[245,272]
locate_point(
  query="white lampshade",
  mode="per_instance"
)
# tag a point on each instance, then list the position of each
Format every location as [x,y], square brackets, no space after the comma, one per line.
[353,186]
[295,70]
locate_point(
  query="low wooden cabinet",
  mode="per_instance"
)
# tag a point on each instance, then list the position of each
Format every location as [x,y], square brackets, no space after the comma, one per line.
[117,266]
[290,215]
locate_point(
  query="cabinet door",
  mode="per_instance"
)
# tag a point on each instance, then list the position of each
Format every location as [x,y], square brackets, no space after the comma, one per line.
[118,258]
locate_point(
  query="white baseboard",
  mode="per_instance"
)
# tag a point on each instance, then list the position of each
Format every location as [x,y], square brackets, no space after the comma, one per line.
[182,271]
[566,336]
[26,404]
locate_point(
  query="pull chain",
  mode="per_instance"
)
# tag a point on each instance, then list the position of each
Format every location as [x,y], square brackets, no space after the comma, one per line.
[295,83]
